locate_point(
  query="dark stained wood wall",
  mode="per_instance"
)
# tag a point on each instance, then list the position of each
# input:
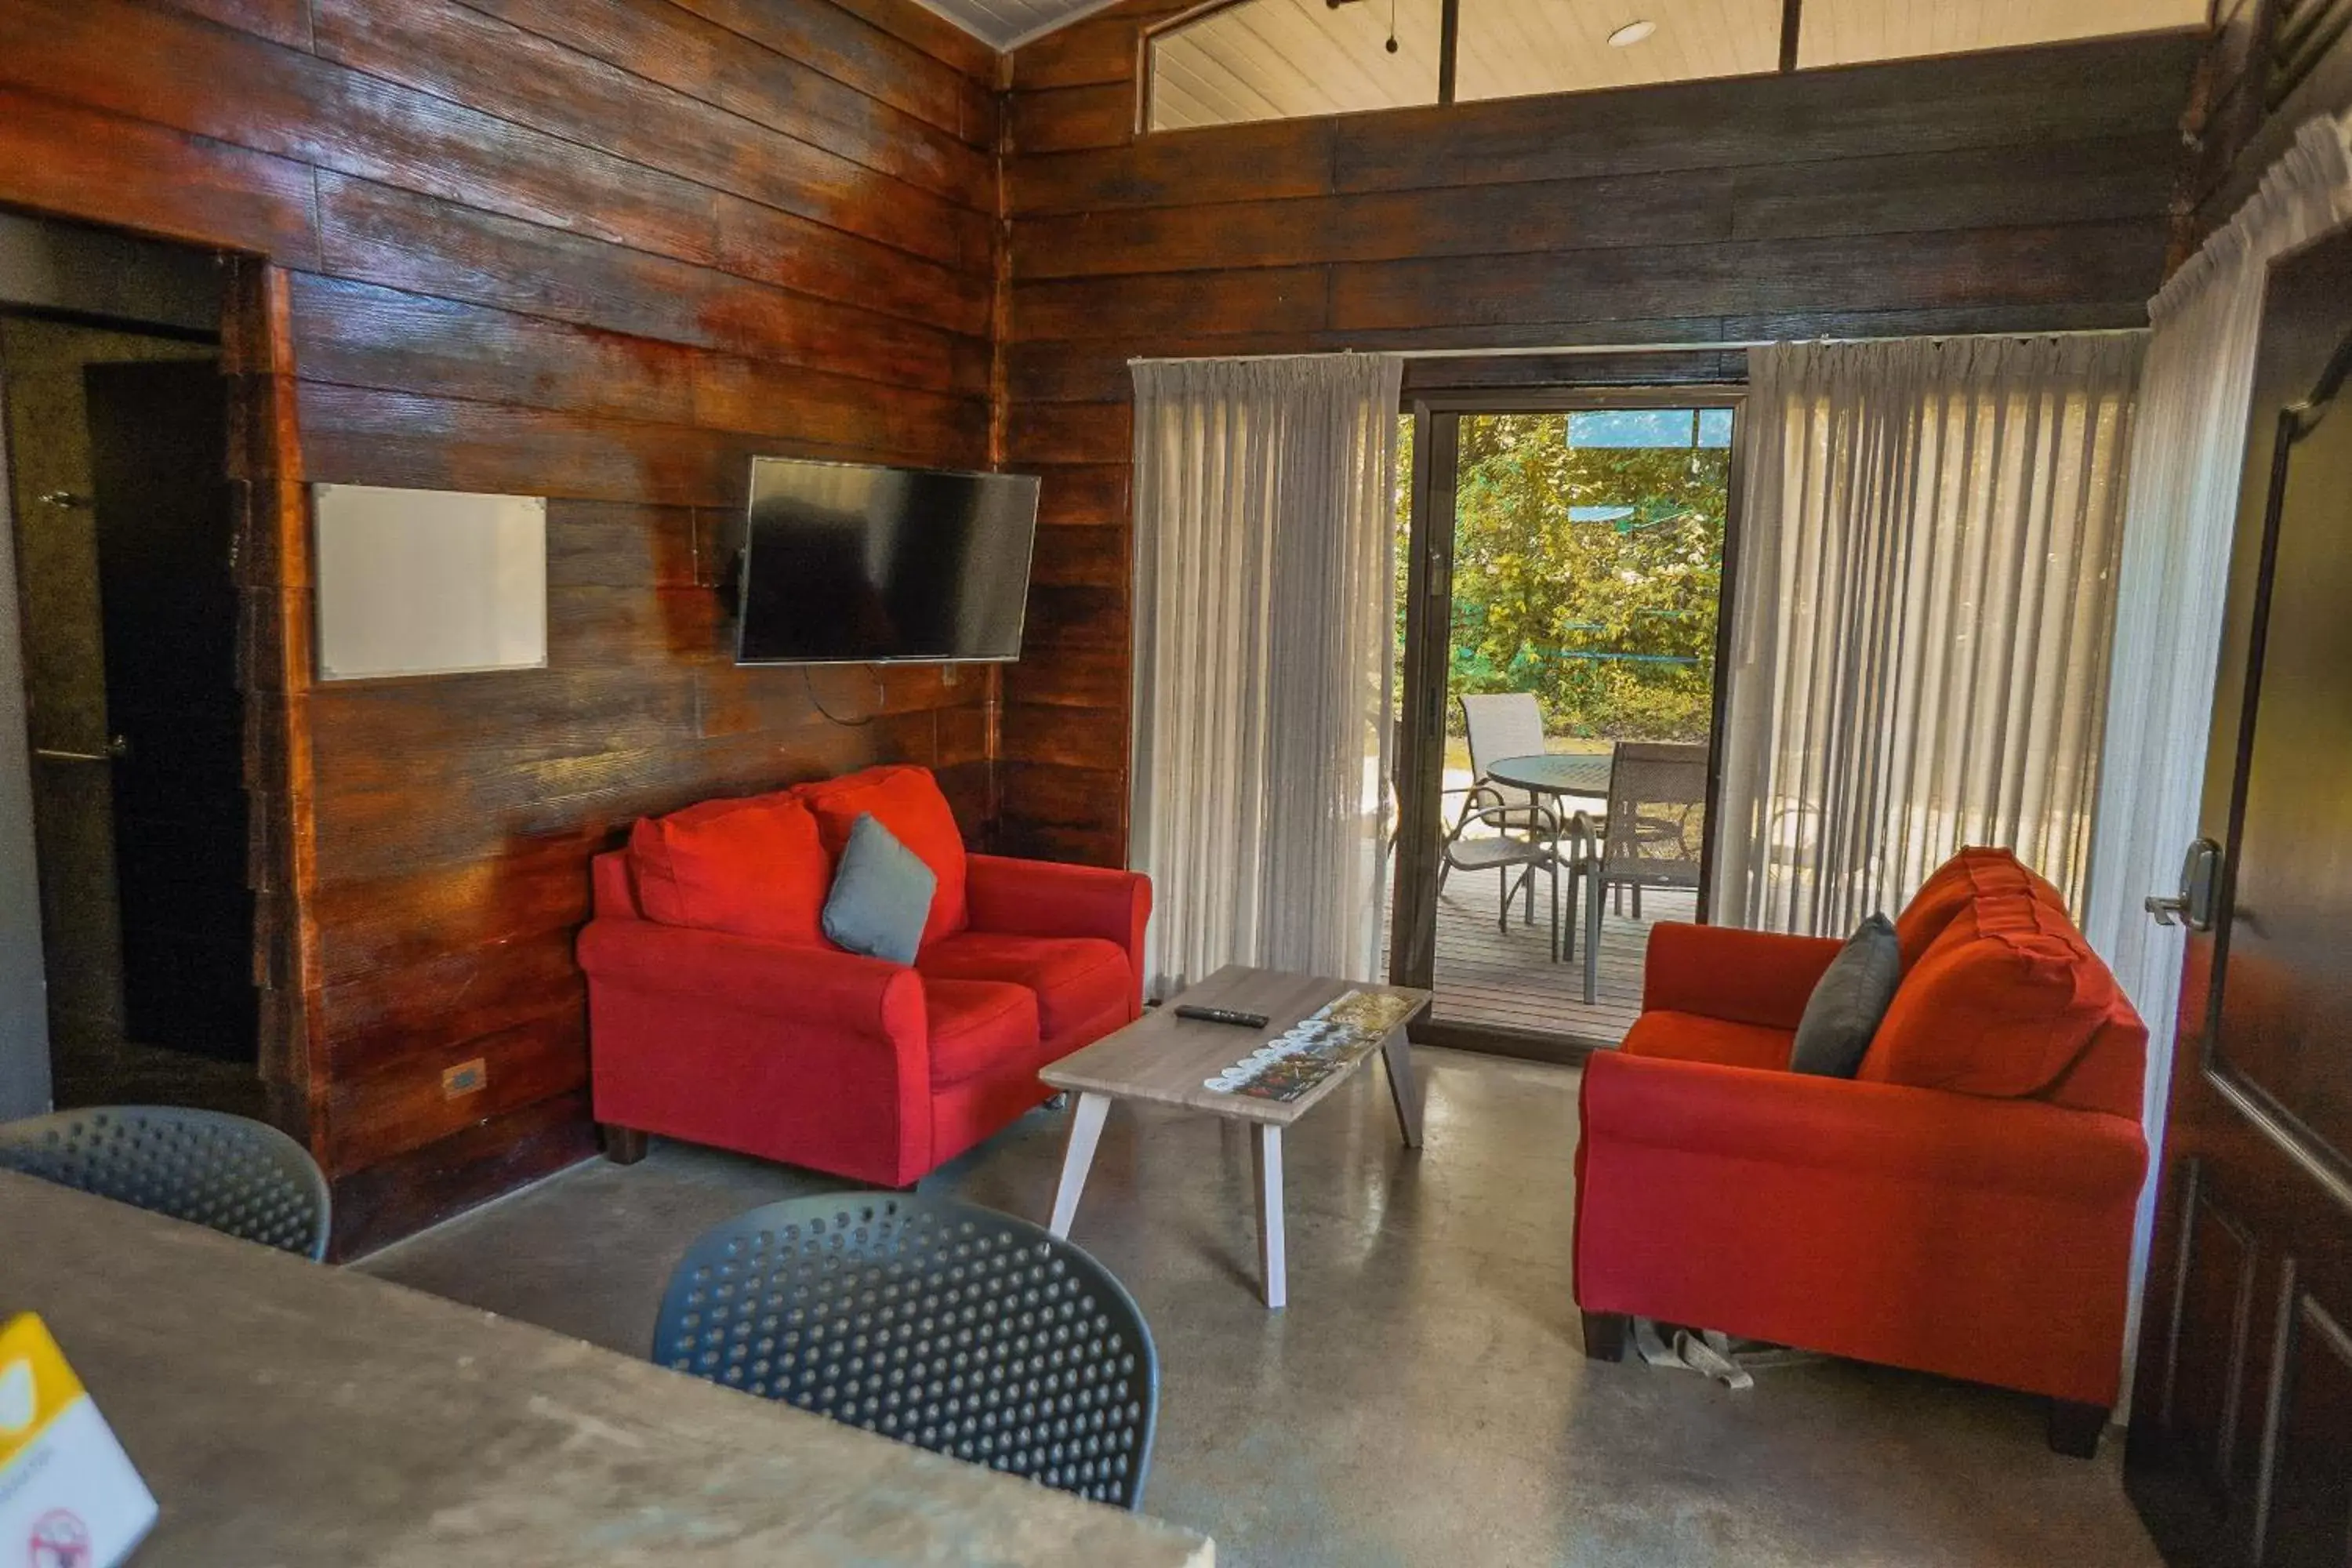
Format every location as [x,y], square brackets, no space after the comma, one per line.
[600,250]
[2024,190]
[2268,67]
[603,250]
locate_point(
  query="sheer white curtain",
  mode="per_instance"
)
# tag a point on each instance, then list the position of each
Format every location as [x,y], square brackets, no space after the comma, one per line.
[2188,447]
[1265,620]
[1926,594]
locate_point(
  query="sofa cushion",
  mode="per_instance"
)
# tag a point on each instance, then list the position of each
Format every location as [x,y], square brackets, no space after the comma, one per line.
[2001,1003]
[978,1026]
[1976,871]
[753,866]
[1847,1003]
[881,896]
[906,800]
[1696,1038]
[1077,979]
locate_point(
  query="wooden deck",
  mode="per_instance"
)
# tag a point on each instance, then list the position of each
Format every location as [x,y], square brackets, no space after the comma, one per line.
[1508,982]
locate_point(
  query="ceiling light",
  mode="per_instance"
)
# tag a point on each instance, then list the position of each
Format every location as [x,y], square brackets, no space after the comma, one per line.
[1631,33]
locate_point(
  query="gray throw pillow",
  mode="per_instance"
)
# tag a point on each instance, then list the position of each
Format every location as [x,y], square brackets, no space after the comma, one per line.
[1848,1001]
[881,894]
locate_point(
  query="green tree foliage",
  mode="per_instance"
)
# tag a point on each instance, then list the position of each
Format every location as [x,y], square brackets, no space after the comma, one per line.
[1588,575]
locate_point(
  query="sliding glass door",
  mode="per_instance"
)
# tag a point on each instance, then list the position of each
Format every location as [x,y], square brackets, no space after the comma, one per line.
[1562,565]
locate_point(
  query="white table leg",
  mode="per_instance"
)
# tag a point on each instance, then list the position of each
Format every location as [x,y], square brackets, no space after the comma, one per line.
[1271,1270]
[1396,1055]
[1085,1129]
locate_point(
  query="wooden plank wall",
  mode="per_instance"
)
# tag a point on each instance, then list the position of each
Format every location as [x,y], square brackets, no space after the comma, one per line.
[2269,67]
[2023,190]
[600,250]
[603,250]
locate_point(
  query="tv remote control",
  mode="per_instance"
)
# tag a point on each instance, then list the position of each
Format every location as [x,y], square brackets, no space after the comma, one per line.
[1224,1015]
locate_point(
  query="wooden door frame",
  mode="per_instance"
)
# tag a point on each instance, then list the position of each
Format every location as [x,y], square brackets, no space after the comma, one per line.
[271,563]
[1420,728]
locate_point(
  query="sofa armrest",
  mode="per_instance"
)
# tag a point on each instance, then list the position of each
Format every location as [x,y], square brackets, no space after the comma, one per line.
[1048,898]
[1723,972]
[812,985]
[1884,1130]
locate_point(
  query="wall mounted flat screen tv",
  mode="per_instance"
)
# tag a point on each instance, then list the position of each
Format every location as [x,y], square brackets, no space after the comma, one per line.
[856,563]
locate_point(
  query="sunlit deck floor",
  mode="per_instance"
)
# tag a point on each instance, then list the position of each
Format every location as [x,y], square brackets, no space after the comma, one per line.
[1486,978]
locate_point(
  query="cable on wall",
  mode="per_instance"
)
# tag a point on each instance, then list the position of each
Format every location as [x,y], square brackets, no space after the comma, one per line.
[881,696]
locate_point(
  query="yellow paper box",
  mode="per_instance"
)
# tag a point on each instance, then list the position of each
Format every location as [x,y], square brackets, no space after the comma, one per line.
[69,1495]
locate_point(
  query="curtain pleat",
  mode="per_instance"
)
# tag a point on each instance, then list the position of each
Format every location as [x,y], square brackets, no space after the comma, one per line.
[1264,619]
[1926,597]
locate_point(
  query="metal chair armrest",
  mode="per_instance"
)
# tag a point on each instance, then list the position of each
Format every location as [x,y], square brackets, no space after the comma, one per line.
[1540,818]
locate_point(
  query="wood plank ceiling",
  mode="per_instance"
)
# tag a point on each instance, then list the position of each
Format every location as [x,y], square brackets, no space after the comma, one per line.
[1275,59]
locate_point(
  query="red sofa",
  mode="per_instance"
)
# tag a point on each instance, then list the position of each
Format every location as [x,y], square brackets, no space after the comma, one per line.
[1963,1205]
[718,1012]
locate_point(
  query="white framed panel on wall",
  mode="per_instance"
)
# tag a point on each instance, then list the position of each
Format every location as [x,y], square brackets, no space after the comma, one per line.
[428,581]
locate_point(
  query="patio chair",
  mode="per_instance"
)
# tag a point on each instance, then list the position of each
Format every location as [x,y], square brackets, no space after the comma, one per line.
[937,1323]
[1499,725]
[229,1174]
[1523,839]
[1502,724]
[1653,835]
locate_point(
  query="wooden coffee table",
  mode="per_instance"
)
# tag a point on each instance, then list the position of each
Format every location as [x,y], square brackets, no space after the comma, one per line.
[1164,1059]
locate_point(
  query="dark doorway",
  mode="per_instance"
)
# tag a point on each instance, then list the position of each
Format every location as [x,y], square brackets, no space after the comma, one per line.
[123,523]
[158,435]
[2241,1415]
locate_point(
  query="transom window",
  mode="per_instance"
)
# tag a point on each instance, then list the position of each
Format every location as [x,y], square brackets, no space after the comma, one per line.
[1277,59]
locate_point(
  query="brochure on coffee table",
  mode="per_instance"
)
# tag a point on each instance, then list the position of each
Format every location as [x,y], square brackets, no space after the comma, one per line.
[1327,1041]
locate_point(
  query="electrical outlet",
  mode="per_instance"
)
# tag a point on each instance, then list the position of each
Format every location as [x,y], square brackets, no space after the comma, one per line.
[465,1079]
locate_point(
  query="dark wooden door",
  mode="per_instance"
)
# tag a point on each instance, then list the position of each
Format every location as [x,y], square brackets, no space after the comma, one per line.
[158,439]
[2241,1430]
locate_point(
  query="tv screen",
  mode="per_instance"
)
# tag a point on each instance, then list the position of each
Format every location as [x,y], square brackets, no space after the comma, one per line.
[855,564]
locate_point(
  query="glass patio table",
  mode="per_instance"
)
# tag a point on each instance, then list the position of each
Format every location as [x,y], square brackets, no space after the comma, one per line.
[1556,773]
[1584,775]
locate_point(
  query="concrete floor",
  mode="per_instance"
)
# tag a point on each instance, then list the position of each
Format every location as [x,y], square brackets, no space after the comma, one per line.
[1423,1399]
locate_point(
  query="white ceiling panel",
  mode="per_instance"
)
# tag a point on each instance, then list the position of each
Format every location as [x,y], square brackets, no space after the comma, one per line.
[1006,23]
[1267,59]
[1273,60]
[1847,32]
[1511,47]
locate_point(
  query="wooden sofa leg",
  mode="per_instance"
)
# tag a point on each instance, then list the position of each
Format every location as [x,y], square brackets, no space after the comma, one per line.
[623,1145]
[2074,1428]
[1604,1335]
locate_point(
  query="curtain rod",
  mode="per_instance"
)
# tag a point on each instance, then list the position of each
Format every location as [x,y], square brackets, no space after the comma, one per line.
[1717,347]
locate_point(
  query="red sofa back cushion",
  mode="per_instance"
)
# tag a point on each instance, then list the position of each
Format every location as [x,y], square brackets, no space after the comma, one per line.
[754,867]
[906,800]
[2002,1003]
[1974,872]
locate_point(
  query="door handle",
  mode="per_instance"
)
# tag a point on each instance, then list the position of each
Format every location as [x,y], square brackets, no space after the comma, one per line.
[2193,905]
[116,749]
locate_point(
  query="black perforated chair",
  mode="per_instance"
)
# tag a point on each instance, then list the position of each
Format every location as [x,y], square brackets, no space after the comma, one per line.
[941,1324]
[239,1176]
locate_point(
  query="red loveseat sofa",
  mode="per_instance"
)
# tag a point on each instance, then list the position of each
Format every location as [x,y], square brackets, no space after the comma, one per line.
[719,1014]
[1963,1205]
